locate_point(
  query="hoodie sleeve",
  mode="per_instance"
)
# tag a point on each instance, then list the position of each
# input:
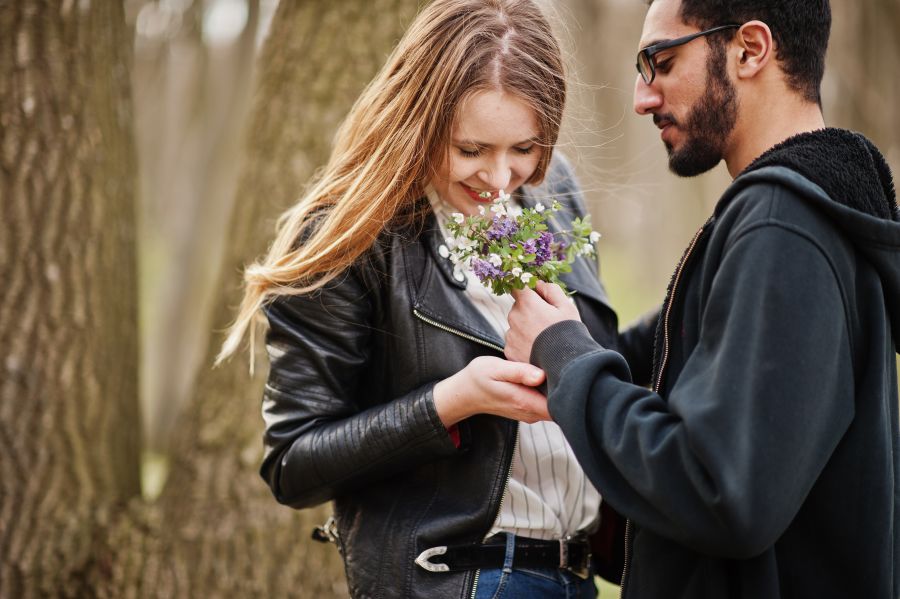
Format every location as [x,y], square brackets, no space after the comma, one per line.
[636,346]
[724,462]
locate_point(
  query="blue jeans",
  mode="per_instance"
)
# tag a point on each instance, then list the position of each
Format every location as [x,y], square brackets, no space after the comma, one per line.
[531,583]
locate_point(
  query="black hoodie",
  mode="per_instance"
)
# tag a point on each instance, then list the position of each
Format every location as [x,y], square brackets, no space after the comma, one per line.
[765,462]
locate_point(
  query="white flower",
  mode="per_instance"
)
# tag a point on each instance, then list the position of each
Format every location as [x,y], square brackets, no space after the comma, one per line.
[539,207]
[595,237]
[514,211]
[481,210]
[526,276]
[502,195]
[516,271]
[495,259]
[458,217]
[499,209]
[451,242]
[464,243]
[455,257]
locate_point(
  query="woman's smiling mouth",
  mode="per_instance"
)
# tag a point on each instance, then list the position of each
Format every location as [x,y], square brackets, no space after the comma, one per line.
[481,196]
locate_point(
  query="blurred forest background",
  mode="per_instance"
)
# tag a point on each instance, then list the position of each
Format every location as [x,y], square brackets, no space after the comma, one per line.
[147,147]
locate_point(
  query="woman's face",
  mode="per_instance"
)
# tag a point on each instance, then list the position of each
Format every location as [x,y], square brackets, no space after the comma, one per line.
[492,147]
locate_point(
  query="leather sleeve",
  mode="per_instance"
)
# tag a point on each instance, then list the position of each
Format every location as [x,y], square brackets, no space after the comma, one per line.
[320,442]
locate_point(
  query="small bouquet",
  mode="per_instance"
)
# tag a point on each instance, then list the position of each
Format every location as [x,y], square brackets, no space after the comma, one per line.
[510,248]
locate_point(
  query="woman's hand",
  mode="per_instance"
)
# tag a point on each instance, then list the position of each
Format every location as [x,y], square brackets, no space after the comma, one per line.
[495,386]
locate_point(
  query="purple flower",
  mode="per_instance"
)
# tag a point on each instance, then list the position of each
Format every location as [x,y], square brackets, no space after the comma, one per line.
[485,270]
[561,250]
[529,246]
[544,250]
[502,227]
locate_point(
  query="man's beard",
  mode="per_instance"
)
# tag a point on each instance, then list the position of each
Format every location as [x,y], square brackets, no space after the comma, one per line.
[709,123]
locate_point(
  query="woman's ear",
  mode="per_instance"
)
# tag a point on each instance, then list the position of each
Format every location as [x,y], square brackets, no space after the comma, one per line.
[756,47]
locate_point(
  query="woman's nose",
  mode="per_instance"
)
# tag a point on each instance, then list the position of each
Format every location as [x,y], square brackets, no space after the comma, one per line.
[497,175]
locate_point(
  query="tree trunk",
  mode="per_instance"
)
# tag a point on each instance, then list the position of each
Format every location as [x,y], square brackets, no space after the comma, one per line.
[69,443]
[191,100]
[315,63]
[216,530]
[74,523]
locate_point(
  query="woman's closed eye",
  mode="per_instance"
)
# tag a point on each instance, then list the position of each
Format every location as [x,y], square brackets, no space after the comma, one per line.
[475,152]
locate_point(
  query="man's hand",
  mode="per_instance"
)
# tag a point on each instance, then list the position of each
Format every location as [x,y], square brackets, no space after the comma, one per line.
[533,312]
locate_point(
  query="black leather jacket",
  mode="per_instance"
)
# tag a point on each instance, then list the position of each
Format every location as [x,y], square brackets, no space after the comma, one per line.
[350,416]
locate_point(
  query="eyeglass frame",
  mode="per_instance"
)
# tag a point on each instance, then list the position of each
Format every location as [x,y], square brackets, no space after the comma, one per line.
[650,51]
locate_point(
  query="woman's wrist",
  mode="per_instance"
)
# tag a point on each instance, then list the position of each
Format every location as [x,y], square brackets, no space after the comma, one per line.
[448,401]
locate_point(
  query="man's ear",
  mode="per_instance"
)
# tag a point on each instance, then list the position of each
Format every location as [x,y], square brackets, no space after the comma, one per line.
[756,48]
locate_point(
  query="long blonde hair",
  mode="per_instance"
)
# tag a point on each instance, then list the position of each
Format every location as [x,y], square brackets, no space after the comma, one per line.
[398,132]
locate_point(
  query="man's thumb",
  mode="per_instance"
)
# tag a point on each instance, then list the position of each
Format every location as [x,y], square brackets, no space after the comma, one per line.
[552,294]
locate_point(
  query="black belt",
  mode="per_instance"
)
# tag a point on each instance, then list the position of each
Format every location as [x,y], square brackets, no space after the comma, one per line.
[572,554]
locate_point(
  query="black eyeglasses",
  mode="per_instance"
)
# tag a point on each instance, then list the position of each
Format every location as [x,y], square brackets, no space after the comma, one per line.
[646,66]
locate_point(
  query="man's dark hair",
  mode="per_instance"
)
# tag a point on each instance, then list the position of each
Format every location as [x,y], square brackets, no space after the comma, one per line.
[800,29]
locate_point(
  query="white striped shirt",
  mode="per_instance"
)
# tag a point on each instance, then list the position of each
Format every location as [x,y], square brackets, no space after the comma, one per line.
[548,495]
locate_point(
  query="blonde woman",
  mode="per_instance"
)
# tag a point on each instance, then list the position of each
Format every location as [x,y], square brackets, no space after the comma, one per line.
[388,392]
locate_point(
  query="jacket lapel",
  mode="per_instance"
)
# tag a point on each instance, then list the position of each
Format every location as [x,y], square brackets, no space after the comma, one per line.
[440,297]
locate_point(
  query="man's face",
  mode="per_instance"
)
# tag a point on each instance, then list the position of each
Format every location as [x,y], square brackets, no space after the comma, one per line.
[692,100]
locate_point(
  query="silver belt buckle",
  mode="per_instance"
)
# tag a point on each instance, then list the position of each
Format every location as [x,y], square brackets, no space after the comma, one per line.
[582,570]
[424,559]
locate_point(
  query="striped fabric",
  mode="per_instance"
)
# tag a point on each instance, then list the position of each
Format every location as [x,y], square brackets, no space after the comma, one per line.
[548,495]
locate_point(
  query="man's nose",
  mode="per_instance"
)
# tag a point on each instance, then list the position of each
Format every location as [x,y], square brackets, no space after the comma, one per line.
[646,97]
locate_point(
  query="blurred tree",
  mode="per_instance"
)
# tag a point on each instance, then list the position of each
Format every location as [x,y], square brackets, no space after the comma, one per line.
[191,101]
[69,418]
[860,86]
[74,522]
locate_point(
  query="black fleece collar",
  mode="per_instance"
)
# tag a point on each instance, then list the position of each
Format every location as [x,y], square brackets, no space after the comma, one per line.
[846,165]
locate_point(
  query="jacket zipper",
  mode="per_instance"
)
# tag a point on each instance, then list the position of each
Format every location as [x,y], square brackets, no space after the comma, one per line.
[665,357]
[493,346]
[499,507]
[658,385]
[508,474]
[444,327]
[475,584]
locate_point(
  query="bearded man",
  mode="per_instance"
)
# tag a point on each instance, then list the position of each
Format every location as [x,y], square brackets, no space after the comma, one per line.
[763,463]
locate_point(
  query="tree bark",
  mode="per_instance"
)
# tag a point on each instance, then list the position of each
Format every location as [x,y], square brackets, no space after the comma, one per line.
[69,423]
[74,522]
